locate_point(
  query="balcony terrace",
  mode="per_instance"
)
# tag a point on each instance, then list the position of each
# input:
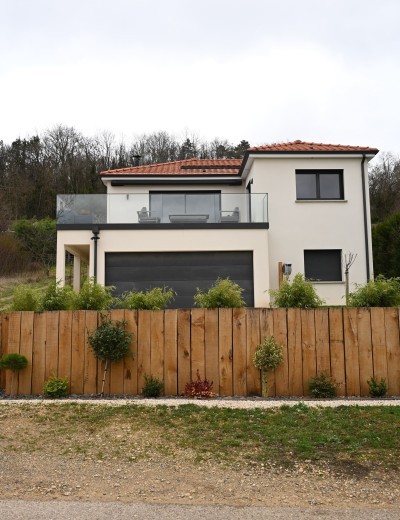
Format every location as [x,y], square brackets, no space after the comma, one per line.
[163,209]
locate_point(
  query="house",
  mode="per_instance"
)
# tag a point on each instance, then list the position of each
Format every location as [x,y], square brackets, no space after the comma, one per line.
[183,224]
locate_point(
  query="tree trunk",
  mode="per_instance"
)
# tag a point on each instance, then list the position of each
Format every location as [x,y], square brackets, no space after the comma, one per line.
[104,378]
[264,383]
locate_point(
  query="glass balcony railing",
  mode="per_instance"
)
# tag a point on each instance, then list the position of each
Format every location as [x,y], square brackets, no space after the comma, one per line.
[163,208]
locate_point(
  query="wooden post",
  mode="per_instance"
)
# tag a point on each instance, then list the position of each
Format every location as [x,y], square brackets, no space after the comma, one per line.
[280,274]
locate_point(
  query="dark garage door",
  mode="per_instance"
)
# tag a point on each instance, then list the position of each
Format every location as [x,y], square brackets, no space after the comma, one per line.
[184,272]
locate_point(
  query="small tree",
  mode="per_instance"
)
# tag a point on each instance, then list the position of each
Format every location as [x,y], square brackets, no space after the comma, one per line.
[110,342]
[268,356]
[15,363]
[224,293]
[299,293]
[348,260]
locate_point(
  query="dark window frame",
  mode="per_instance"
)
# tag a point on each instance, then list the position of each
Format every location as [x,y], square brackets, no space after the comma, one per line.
[323,253]
[318,173]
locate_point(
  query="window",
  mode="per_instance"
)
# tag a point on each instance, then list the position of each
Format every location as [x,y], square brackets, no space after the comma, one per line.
[324,265]
[319,184]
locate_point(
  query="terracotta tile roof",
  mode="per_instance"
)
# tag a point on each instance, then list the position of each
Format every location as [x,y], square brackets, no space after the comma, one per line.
[184,167]
[302,146]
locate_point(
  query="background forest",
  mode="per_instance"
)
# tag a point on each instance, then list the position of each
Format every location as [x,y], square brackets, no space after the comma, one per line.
[62,160]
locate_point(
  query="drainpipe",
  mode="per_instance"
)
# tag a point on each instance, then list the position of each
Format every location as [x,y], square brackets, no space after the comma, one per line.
[95,238]
[248,188]
[365,217]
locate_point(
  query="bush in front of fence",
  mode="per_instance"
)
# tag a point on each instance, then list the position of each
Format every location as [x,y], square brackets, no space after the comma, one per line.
[377,388]
[56,387]
[152,386]
[322,386]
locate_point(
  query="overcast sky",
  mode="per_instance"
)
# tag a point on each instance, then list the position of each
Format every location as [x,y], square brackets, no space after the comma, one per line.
[261,70]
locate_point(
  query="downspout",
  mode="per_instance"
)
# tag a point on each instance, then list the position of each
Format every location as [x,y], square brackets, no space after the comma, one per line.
[95,238]
[365,217]
[248,188]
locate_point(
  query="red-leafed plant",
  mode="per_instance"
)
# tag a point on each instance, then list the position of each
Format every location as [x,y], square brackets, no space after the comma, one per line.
[201,389]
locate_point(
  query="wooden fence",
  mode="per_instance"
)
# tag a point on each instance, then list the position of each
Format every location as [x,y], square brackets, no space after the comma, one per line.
[349,344]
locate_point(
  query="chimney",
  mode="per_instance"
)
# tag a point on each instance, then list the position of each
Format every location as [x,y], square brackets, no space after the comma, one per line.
[136,160]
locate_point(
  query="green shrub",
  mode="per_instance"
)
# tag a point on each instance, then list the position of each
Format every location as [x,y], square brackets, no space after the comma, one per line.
[224,293]
[381,292]
[56,387]
[299,293]
[14,362]
[110,342]
[152,386]
[93,296]
[268,356]
[25,299]
[377,389]
[322,386]
[57,298]
[154,299]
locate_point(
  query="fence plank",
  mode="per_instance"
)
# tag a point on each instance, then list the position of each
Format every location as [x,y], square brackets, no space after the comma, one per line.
[295,359]
[379,342]
[280,335]
[322,342]
[52,322]
[365,349]
[183,349]
[266,331]
[157,345]
[14,340]
[393,350]
[308,347]
[38,352]
[225,352]
[90,378]
[143,347]
[239,352]
[350,329]
[171,352]
[64,348]
[253,340]
[211,347]
[198,344]
[337,349]
[117,367]
[25,376]
[77,351]
[131,361]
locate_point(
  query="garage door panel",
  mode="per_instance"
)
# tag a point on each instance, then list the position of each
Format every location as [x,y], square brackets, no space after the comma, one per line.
[161,273]
[183,272]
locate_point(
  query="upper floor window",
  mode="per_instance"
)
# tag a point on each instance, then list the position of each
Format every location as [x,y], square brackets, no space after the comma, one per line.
[319,185]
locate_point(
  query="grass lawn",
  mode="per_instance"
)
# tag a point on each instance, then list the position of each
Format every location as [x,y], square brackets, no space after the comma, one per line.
[350,436]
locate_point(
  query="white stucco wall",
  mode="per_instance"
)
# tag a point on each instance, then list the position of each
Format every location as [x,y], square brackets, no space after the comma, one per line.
[299,225]
[175,240]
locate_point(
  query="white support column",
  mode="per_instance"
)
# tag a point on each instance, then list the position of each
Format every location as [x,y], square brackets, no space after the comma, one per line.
[77,273]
